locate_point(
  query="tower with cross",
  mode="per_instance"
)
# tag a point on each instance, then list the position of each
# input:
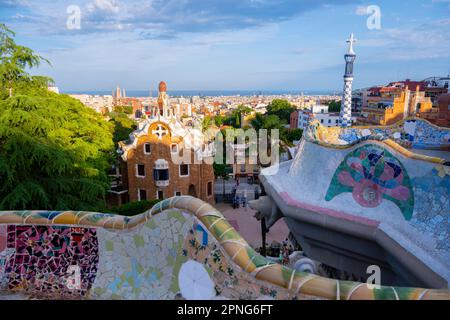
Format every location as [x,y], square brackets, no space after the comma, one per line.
[346,106]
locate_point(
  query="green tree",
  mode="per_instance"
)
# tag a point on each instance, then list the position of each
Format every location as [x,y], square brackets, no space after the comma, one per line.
[334,106]
[54,151]
[133,208]
[281,108]
[123,126]
[273,122]
[219,120]
[237,120]
[207,123]
[14,59]
[293,135]
[236,115]
[258,122]
[221,170]
[124,109]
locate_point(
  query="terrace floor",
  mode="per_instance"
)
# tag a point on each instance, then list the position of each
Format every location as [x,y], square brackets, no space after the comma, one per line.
[243,220]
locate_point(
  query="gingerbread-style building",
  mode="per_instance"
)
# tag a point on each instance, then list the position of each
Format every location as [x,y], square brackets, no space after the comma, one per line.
[164,158]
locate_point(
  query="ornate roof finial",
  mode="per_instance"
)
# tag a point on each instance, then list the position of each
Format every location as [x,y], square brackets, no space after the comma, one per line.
[350,42]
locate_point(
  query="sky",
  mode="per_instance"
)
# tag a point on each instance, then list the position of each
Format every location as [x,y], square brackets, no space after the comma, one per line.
[231,44]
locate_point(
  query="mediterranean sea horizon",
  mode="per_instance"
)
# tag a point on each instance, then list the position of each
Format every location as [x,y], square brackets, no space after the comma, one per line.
[206,93]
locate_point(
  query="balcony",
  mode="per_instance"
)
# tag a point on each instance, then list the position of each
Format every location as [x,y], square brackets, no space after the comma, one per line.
[162,183]
[161,173]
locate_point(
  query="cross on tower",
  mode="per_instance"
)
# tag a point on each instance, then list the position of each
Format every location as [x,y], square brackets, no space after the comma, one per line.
[351,41]
[160,132]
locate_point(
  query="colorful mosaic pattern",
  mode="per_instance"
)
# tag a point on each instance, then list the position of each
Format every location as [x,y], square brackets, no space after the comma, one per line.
[371,174]
[411,133]
[432,191]
[264,275]
[42,258]
[229,280]
[143,263]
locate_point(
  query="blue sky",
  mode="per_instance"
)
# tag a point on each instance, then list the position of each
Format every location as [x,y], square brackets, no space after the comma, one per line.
[231,44]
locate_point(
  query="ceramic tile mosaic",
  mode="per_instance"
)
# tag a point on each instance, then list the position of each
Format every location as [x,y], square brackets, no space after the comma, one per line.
[411,133]
[39,259]
[432,209]
[142,263]
[371,174]
[143,258]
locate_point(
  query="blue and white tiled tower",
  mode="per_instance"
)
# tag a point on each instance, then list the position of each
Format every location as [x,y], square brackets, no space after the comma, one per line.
[346,106]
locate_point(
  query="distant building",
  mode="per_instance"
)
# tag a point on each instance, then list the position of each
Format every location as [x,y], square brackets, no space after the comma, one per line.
[395,102]
[384,105]
[148,170]
[439,115]
[121,99]
[245,162]
[101,104]
[301,118]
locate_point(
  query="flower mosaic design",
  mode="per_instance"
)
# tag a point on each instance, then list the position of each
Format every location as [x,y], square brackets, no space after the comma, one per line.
[371,174]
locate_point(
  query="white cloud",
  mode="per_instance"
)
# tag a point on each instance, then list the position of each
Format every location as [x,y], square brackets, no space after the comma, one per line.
[104,5]
[425,41]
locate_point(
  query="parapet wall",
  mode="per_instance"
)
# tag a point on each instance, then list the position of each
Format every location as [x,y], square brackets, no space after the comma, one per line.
[413,133]
[100,256]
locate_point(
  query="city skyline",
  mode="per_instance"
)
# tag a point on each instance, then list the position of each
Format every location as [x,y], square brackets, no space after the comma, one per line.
[233,45]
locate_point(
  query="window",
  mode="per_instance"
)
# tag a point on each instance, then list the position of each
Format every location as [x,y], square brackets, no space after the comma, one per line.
[321,120]
[177,193]
[243,168]
[209,189]
[161,170]
[184,170]
[174,148]
[147,148]
[142,194]
[160,195]
[161,174]
[329,120]
[140,168]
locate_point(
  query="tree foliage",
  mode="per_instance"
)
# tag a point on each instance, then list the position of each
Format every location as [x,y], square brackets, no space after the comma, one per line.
[123,126]
[133,208]
[54,151]
[14,59]
[221,170]
[293,135]
[124,109]
[281,108]
[334,106]
[207,123]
